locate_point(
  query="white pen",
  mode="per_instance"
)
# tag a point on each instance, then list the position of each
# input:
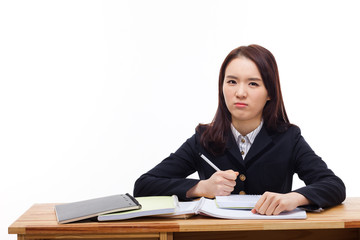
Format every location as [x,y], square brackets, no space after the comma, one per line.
[209,162]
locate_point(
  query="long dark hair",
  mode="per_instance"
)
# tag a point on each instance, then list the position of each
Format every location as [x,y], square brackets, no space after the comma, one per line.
[215,134]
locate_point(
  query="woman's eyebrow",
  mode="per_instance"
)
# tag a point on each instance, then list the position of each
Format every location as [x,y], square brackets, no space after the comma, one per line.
[231,76]
[249,79]
[254,79]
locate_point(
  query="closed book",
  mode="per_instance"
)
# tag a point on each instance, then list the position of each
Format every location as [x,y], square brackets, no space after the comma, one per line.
[151,206]
[76,211]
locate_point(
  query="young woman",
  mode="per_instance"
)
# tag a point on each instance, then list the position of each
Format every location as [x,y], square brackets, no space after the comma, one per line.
[253,144]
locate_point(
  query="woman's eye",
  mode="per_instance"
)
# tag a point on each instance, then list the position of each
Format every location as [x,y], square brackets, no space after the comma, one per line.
[253,84]
[231,81]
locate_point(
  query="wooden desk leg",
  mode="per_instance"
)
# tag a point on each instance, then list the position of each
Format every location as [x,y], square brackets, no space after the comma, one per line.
[166,236]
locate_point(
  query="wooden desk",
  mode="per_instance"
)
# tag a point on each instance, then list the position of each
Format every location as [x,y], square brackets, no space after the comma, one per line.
[341,222]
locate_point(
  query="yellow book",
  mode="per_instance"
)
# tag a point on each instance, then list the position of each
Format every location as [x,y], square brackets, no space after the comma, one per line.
[151,206]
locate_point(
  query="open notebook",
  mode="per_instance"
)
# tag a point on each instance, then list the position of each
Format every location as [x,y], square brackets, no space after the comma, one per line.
[209,207]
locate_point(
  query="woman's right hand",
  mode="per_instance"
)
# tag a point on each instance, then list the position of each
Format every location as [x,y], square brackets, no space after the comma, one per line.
[221,183]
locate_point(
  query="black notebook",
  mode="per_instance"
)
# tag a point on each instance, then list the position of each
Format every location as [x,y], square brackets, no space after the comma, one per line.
[76,211]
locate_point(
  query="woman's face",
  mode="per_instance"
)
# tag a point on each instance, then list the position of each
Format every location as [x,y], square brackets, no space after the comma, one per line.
[244,92]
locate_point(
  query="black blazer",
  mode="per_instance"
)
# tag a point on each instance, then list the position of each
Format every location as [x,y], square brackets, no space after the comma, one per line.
[268,166]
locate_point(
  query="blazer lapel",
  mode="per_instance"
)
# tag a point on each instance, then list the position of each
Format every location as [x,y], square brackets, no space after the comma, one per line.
[233,149]
[262,140]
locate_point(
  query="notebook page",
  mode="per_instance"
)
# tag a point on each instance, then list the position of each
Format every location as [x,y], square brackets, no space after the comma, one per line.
[237,201]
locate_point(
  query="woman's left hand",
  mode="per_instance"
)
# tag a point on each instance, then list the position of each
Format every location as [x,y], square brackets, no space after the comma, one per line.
[272,203]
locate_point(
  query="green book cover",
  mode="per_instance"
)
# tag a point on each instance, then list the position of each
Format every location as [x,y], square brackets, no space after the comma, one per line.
[151,205]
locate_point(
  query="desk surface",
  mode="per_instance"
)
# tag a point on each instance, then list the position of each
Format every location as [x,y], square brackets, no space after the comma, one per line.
[41,219]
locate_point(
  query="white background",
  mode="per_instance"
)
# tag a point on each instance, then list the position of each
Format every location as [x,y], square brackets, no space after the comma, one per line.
[95,93]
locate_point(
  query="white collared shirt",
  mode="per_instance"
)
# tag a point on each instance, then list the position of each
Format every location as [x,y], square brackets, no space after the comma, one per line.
[244,142]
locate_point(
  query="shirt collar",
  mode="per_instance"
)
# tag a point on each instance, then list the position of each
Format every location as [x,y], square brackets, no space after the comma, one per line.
[250,136]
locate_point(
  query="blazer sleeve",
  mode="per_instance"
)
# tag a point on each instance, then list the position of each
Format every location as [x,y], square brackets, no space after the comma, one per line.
[323,188]
[169,176]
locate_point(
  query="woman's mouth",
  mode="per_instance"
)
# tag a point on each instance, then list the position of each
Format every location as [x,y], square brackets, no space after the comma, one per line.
[241,105]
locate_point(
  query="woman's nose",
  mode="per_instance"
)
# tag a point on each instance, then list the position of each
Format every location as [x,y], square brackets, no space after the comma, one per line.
[240,92]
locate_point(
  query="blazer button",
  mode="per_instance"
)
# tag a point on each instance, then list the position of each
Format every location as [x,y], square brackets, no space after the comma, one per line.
[242,177]
[242,152]
[242,193]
